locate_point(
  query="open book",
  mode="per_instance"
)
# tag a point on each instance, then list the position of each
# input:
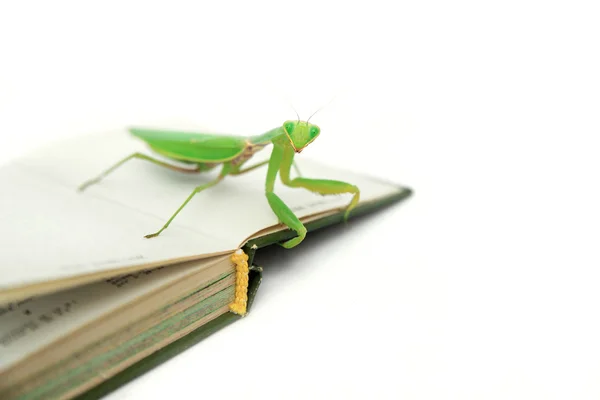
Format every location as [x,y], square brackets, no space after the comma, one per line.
[87,303]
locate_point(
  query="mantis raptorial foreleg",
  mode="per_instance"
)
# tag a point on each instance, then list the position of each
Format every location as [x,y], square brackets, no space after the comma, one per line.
[324,187]
[132,156]
[281,210]
[321,186]
[224,172]
[287,216]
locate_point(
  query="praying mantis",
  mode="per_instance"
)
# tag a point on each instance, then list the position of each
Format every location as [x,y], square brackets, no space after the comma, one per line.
[207,151]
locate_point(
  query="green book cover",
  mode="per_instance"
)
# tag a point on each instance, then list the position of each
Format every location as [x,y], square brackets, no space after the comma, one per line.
[197,335]
[92,269]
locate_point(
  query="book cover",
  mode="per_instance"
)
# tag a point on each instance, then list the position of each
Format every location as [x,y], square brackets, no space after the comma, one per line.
[64,241]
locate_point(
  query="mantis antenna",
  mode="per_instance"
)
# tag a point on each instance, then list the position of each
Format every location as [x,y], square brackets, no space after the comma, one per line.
[297,115]
[320,108]
[314,113]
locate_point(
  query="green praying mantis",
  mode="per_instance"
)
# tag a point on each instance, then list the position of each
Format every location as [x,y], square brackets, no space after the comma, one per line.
[207,151]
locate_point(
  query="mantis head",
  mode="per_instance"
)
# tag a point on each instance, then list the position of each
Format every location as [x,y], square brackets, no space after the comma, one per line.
[300,133]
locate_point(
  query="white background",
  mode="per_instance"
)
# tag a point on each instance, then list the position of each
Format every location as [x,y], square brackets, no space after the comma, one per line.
[482,286]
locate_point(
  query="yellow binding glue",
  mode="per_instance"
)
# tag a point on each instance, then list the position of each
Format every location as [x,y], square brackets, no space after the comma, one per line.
[240,260]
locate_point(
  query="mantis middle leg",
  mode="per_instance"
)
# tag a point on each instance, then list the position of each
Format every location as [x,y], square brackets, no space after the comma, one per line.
[248,169]
[224,171]
[258,165]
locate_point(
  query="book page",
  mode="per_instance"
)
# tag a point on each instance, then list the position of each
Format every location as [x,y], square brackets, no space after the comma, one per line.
[31,324]
[51,231]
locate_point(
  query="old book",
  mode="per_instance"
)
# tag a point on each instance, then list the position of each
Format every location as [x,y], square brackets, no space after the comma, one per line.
[87,303]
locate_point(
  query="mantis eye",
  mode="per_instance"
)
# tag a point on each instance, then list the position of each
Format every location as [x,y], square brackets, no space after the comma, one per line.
[289,127]
[314,132]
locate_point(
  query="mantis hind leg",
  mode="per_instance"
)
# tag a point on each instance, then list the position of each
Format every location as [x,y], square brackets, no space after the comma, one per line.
[197,190]
[130,157]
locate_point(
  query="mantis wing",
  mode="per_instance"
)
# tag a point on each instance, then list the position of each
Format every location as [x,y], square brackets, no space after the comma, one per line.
[191,146]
